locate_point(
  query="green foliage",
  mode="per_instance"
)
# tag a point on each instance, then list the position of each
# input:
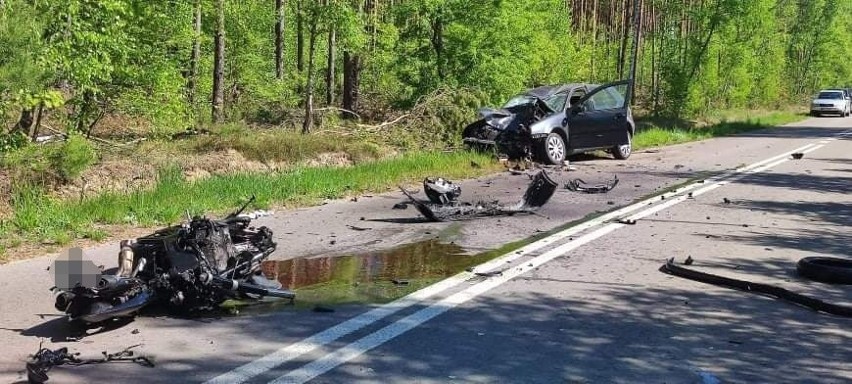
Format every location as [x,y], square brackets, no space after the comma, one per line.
[49,164]
[42,218]
[12,140]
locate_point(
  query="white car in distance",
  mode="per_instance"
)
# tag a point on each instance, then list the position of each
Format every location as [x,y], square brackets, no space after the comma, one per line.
[832,101]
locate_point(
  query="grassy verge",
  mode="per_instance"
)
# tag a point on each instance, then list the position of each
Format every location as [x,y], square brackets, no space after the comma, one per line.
[39,218]
[655,134]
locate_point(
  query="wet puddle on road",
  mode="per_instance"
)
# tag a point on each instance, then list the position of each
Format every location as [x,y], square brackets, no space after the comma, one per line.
[371,277]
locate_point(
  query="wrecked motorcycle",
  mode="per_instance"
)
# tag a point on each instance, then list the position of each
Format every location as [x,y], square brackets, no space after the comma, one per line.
[443,204]
[189,267]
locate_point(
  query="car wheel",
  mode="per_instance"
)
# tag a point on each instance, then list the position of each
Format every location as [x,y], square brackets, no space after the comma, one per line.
[553,149]
[622,152]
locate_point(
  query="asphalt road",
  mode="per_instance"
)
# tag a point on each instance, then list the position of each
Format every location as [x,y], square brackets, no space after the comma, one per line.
[587,305]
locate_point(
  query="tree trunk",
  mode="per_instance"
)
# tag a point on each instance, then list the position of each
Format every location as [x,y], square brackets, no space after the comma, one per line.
[25,122]
[329,70]
[196,52]
[438,44]
[219,64]
[279,39]
[309,90]
[351,83]
[37,125]
[300,36]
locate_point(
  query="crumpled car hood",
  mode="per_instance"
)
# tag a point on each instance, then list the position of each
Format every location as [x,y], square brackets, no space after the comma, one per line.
[497,118]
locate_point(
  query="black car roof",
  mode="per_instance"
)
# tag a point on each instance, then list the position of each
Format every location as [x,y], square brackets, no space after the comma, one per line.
[549,90]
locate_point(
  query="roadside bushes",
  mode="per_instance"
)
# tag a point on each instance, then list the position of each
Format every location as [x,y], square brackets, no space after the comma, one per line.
[50,164]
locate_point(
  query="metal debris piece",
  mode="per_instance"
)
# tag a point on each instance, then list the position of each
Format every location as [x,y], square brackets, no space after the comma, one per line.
[626,221]
[399,282]
[45,359]
[538,192]
[400,206]
[354,228]
[440,190]
[578,185]
[797,155]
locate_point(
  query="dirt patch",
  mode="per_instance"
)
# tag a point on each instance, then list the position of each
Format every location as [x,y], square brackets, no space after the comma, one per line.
[5,190]
[331,159]
[222,162]
[114,175]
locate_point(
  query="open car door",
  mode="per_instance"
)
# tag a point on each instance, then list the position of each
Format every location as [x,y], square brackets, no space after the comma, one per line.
[600,118]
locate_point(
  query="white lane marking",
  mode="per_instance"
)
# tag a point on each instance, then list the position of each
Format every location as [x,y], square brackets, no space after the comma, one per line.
[375,339]
[257,367]
[355,349]
[263,364]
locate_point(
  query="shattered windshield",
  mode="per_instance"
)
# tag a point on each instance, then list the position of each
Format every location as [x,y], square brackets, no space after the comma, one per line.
[830,95]
[519,100]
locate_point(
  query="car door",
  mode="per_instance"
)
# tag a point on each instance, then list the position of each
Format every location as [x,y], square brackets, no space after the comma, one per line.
[600,118]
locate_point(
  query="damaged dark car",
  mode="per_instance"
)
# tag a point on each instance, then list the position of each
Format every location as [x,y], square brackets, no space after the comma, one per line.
[549,123]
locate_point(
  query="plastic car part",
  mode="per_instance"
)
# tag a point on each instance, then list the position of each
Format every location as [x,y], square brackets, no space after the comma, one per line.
[538,192]
[770,290]
[578,185]
[440,190]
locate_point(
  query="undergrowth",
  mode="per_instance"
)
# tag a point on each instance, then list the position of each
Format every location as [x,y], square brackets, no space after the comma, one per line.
[654,135]
[38,217]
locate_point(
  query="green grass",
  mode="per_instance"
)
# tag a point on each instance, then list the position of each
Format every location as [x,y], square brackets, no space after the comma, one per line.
[655,135]
[38,217]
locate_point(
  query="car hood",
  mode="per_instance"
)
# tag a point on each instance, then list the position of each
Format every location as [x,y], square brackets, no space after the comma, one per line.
[828,101]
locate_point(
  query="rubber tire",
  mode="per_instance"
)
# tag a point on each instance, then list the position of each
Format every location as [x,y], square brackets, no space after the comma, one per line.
[545,154]
[830,270]
[616,151]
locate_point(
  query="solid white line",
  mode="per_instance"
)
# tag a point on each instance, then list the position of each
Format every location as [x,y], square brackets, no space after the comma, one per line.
[263,364]
[357,348]
[257,367]
[375,339]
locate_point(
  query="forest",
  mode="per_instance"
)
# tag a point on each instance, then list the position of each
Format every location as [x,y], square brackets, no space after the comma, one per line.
[177,64]
[132,113]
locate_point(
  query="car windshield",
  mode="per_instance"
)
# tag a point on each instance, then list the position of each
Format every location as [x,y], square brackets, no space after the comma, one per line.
[830,95]
[519,100]
[557,101]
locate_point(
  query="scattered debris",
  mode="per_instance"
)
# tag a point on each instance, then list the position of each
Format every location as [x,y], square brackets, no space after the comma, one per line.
[441,191]
[45,359]
[538,192]
[489,274]
[688,261]
[399,282]
[626,221]
[726,200]
[256,214]
[610,203]
[578,185]
[188,267]
[400,206]
[474,165]
[830,270]
[797,155]
[321,309]
[354,228]
[747,286]
[135,331]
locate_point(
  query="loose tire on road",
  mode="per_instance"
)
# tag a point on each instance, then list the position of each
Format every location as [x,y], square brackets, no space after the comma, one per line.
[553,149]
[622,152]
[831,270]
